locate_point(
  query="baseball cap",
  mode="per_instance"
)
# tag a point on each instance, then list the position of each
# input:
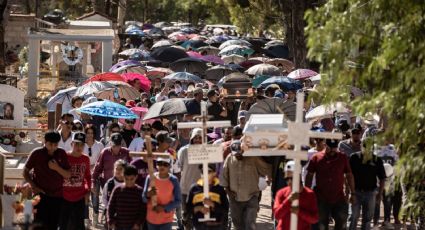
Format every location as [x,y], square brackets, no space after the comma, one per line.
[163,159]
[163,136]
[242,113]
[235,147]
[289,166]
[211,93]
[332,143]
[195,132]
[79,137]
[116,138]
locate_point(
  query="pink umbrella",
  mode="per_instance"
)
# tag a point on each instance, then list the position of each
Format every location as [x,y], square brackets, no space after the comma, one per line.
[140,112]
[212,58]
[194,54]
[301,74]
[145,83]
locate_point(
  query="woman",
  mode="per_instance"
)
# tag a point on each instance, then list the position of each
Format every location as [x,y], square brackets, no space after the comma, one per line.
[93,148]
[76,103]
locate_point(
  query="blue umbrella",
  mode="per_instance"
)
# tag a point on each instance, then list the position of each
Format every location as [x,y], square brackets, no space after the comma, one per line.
[63,97]
[284,82]
[108,109]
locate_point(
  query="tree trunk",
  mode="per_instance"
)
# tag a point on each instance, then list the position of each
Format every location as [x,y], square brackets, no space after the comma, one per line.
[108,7]
[298,39]
[3,11]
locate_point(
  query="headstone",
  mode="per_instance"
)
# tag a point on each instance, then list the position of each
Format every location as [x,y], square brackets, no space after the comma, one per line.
[11,107]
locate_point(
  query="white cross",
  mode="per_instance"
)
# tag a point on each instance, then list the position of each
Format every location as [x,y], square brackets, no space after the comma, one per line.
[297,134]
[204,154]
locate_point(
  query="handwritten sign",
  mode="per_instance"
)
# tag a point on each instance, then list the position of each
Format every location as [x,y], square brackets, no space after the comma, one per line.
[199,154]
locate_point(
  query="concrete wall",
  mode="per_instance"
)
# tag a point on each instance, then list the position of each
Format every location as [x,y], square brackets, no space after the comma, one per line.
[17,29]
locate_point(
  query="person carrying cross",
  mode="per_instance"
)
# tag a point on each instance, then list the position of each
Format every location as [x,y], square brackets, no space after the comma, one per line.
[307,210]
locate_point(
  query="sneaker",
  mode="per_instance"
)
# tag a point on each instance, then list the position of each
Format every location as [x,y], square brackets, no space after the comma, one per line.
[95,219]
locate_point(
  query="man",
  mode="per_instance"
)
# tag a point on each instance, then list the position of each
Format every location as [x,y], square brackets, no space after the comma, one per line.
[242,119]
[104,167]
[366,168]
[76,189]
[128,132]
[124,208]
[66,123]
[8,111]
[214,107]
[227,136]
[49,166]
[189,172]
[307,210]
[217,203]
[240,180]
[351,145]
[137,144]
[193,106]
[329,167]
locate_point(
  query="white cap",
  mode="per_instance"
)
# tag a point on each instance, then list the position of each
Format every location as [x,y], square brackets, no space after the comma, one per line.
[289,166]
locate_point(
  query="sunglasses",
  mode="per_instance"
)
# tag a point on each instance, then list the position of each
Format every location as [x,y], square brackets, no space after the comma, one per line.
[162,164]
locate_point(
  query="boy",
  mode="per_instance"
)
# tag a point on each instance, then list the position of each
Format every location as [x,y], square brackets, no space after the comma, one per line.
[76,188]
[124,208]
[217,203]
[167,190]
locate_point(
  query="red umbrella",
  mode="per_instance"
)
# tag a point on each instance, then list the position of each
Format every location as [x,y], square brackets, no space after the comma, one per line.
[194,54]
[105,77]
[301,74]
[145,83]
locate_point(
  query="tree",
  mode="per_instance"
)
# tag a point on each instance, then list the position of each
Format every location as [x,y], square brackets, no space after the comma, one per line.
[4,12]
[378,46]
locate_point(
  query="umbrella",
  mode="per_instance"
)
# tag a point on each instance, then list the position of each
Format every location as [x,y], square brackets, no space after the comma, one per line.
[284,64]
[183,77]
[131,69]
[108,76]
[236,76]
[236,67]
[263,69]
[213,59]
[189,30]
[136,32]
[219,38]
[140,112]
[217,72]
[191,65]
[63,97]
[277,51]
[257,80]
[130,52]
[168,54]
[162,43]
[259,59]
[197,37]
[124,63]
[178,36]
[162,24]
[316,79]
[107,109]
[301,74]
[274,42]
[274,106]
[234,42]
[145,83]
[158,72]
[194,44]
[250,63]
[233,58]
[236,49]
[166,108]
[93,87]
[326,111]
[285,83]
[208,50]
[194,54]
[156,32]
[124,91]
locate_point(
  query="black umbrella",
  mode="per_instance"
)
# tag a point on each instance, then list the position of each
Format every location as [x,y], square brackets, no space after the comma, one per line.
[189,64]
[166,108]
[277,51]
[257,44]
[217,72]
[168,54]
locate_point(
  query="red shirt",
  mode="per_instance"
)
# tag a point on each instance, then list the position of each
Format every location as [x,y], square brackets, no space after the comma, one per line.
[329,172]
[104,168]
[45,178]
[78,185]
[308,213]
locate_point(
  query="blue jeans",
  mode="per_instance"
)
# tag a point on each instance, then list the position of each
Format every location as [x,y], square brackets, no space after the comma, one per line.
[166,226]
[338,211]
[95,197]
[365,202]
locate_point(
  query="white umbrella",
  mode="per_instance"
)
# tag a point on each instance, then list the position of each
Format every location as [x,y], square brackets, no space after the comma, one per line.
[234,42]
[264,69]
[130,52]
[233,58]
[327,111]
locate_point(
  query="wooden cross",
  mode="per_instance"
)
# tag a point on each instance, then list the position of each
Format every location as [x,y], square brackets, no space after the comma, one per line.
[295,133]
[149,156]
[204,154]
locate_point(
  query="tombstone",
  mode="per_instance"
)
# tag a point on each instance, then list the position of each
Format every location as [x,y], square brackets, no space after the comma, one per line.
[11,106]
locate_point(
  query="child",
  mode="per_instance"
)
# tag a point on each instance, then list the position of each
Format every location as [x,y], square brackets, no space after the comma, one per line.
[113,182]
[167,190]
[76,188]
[124,208]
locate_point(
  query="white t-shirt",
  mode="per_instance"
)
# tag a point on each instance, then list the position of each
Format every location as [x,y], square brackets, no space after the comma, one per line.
[66,145]
[159,98]
[96,149]
[136,145]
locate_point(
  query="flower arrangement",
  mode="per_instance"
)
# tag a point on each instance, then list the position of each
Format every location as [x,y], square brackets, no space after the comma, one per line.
[22,193]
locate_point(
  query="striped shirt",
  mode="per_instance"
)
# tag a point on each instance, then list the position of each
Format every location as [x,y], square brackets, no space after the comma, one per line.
[125,207]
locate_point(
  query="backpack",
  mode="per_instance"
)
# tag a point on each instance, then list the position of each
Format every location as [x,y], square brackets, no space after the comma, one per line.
[109,188]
